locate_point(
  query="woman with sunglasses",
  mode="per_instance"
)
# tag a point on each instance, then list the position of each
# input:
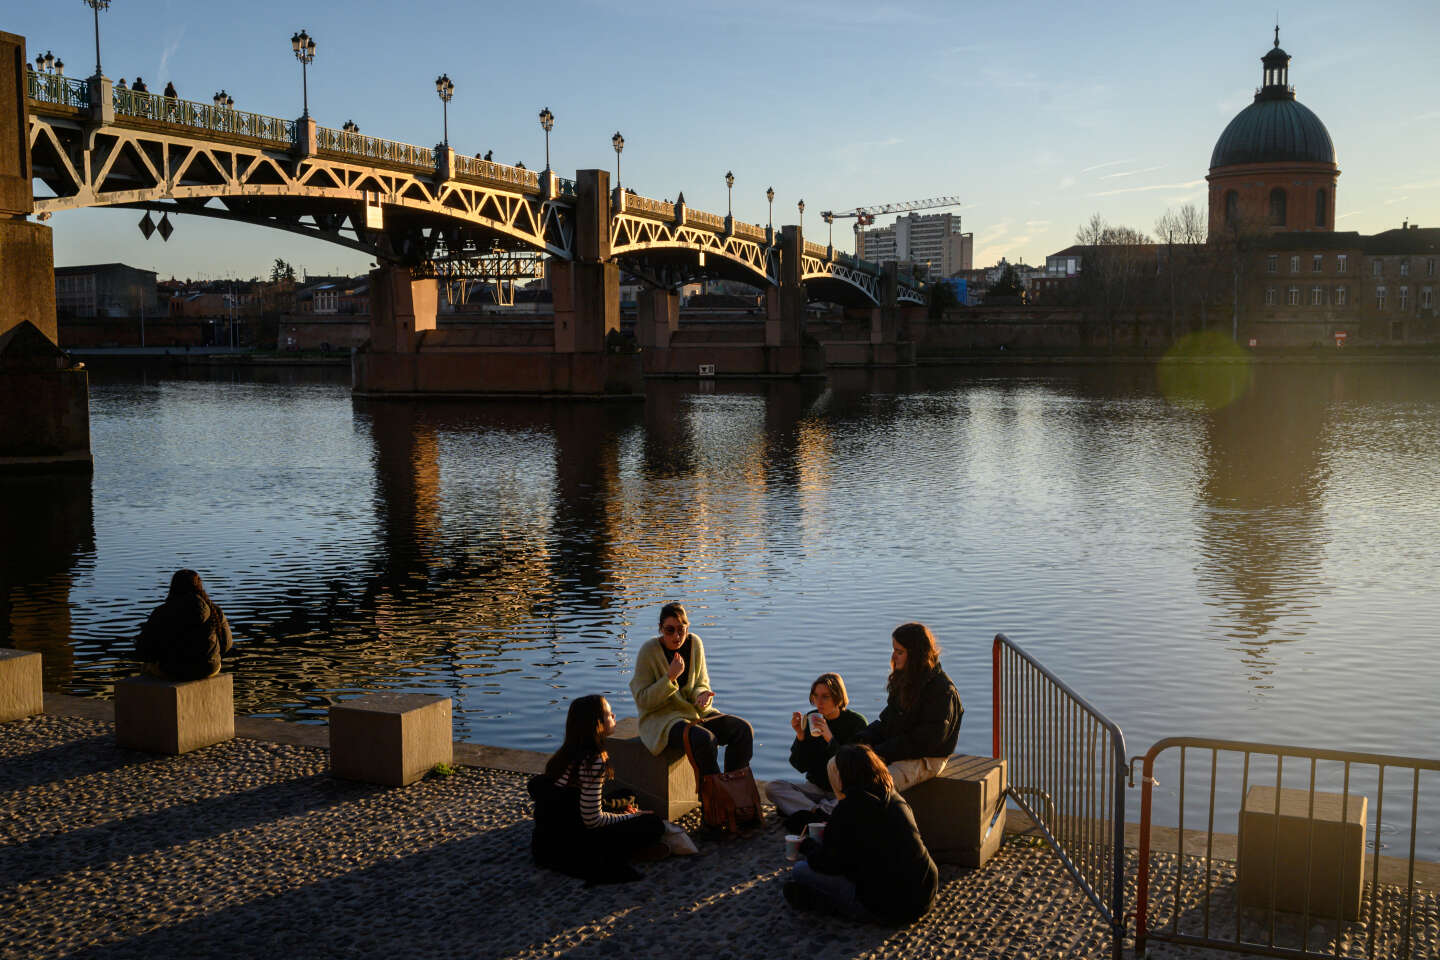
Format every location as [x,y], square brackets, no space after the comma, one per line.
[672,693]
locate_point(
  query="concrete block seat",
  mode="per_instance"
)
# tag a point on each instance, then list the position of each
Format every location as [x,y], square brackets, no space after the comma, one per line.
[665,784]
[961,813]
[1274,851]
[166,716]
[21,691]
[391,739]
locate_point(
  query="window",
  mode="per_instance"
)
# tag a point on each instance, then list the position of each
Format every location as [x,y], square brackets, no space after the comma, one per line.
[1374,268]
[1404,299]
[1292,296]
[1277,207]
[1404,268]
[1379,298]
[1321,208]
[1232,207]
[1317,297]
[1269,296]
[1272,263]
[1339,296]
[1295,264]
[1317,263]
[1429,268]
[1342,263]
[1425,301]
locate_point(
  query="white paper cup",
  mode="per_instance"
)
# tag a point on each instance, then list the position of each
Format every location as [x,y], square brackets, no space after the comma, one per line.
[816,831]
[792,846]
[815,725]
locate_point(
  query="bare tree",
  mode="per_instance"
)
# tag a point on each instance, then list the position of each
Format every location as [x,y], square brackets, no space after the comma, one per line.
[1115,268]
[1182,234]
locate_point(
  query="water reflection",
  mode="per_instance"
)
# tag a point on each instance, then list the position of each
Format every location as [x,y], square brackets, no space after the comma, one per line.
[48,531]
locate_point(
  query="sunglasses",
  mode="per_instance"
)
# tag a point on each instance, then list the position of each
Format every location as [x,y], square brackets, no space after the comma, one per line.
[670,630]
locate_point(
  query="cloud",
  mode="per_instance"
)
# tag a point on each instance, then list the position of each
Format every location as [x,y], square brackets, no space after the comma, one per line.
[1154,186]
[1394,200]
[1352,213]
[1421,184]
[1035,224]
[1432,115]
[1066,182]
[1107,163]
[171,49]
[1131,173]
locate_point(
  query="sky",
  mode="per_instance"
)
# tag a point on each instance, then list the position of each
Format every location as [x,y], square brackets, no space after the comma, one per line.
[1036,116]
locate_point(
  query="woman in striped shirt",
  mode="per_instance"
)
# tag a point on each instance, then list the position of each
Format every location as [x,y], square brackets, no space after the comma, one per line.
[573,833]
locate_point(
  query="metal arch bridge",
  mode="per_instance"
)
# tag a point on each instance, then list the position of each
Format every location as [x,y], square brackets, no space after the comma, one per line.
[95,146]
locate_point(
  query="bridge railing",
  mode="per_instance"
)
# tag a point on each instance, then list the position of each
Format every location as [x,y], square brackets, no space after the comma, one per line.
[350,144]
[702,218]
[203,116]
[645,206]
[815,249]
[57,89]
[498,172]
[750,231]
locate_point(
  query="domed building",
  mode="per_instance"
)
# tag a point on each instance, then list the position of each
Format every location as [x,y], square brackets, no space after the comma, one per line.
[1273,169]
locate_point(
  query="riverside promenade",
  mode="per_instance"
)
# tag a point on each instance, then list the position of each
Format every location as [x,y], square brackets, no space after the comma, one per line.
[250,848]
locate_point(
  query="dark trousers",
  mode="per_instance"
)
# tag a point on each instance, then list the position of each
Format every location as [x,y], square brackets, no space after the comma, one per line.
[706,737]
[618,842]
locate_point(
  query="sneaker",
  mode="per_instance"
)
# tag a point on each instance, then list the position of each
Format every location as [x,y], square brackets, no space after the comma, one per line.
[799,896]
[652,852]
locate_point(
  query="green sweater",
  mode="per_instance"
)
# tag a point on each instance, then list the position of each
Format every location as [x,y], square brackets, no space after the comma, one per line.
[663,703]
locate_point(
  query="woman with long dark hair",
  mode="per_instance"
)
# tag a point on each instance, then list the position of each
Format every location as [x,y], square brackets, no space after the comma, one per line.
[185,637]
[573,834]
[871,863]
[917,730]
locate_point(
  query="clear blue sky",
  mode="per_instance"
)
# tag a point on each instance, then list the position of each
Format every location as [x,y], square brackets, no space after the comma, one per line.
[1036,116]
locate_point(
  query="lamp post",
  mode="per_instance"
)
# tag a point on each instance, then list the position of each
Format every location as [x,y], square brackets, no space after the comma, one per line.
[618,142]
[446,91]
[770,198]
[304,46]
[547,123]
[829,219]
[97,6]
[729,187]
[223,99]
[801,207]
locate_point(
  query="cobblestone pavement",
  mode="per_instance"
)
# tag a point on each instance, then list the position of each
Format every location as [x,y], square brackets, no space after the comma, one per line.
[250,849]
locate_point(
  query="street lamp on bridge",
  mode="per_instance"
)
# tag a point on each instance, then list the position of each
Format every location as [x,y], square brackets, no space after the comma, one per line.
[729,186]
[801,207]
[97,6]
[770,198]
[446,91]
[547,123]
[223,99]
[829,219]
[618,142]
[46,63]
[304,46]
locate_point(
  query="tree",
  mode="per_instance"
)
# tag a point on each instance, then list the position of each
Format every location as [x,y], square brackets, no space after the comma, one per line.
[1114,268]
[942,298]
[281,271]
[1182,234]
[1007,285]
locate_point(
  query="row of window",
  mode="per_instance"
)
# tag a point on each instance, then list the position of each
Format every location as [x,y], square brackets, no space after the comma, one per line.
[1317,297]
[1279,204]
[1342,265]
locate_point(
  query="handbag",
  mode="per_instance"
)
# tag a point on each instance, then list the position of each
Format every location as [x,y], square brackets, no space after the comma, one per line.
[727,799]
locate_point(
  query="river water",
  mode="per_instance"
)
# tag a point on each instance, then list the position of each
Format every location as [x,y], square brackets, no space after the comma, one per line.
[1243,555]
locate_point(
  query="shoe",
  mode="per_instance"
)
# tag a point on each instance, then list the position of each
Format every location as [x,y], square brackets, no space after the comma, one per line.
[798,895]
[651,852]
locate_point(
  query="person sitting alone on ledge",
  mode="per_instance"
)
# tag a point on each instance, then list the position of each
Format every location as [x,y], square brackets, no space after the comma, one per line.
[917,730]
[573,834]
[185,637]
[818,734]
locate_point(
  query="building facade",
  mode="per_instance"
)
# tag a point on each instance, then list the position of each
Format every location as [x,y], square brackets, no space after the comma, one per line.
[935,241]
[105,290]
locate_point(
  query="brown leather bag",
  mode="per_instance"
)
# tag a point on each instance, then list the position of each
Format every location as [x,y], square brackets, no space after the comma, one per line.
[727,800]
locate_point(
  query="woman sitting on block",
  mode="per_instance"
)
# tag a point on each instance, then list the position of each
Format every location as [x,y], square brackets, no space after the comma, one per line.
[185,637]
[672,694]
[818,734]
[917,730]
[871,863]
[572,833]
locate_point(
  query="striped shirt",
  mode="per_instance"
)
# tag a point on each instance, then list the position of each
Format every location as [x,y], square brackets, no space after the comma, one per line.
[592,782]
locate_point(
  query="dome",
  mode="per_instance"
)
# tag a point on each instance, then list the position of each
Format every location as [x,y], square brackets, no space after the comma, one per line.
[1274,129]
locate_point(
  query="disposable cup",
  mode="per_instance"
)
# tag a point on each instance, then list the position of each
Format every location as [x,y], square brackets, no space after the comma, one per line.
[792,846]
[816,831]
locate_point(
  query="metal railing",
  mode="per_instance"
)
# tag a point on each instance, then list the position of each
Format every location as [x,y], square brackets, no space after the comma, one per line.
[750,231]
[816,249]
[493,172]
[1067,771]
[647,207]
[203,116]
[57,89]
[1290,882]
[702,218]
[374,148]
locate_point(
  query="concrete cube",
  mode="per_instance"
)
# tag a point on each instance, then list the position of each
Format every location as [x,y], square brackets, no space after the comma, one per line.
[164,716]
[392,739]
[1275,850]
[21,692]
[665,784]
[961,812]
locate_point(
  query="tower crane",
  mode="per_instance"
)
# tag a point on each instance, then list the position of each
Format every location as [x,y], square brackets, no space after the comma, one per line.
[865,216]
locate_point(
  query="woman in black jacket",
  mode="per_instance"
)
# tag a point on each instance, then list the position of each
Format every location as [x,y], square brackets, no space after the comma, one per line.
[185,637]
[872,864]
[917,730]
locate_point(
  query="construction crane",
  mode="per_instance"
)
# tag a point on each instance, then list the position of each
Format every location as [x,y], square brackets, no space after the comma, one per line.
[865,216]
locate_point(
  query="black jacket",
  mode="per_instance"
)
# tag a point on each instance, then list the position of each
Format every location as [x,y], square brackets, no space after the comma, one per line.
[874,842]
[928,729]
[811,756]
[181,637]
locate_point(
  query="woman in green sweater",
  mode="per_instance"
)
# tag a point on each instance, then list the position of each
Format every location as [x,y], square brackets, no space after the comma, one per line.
[672,691]
[818,734]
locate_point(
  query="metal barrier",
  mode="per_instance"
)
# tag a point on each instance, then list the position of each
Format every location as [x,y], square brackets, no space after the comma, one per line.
[1267,888]
[1068,758]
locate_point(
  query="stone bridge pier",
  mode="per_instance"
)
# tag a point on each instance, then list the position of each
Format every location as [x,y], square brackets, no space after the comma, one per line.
[44,398]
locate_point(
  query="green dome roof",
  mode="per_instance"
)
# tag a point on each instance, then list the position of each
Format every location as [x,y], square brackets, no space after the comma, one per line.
[1274,129]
